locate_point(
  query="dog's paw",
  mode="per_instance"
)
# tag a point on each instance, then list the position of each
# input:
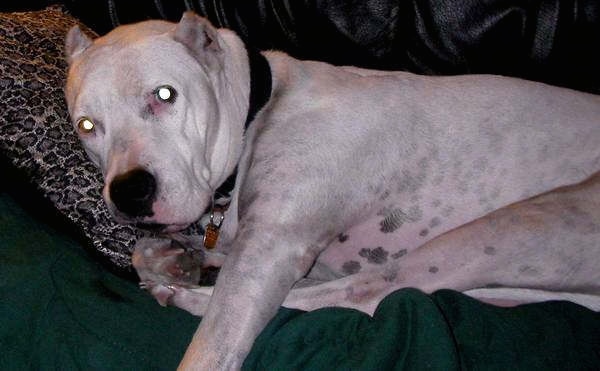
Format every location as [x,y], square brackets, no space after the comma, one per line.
[161,293]
[194,300]
[163,261]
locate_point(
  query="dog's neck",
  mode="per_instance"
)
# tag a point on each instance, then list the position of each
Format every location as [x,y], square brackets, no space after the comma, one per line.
[260,92]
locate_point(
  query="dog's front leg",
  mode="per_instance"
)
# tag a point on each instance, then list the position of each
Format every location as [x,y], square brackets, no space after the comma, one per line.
[251,286]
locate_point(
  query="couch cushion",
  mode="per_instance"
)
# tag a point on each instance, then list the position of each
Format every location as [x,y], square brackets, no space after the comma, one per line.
[36,136]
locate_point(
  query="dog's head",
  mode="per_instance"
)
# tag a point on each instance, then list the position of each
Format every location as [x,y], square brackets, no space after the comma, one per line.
[160,112]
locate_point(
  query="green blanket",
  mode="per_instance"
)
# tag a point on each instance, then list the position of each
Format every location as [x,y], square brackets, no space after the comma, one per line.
[59,309]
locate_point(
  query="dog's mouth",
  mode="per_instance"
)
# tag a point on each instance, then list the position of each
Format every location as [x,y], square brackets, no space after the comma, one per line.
[152,227]
[163,228]
[172,228]
[149,223]
[160,222]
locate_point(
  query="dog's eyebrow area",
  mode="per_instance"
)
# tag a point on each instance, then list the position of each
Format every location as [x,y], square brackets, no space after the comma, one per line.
[158,101]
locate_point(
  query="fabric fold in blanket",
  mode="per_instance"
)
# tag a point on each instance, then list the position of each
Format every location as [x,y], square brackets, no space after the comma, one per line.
[59,309]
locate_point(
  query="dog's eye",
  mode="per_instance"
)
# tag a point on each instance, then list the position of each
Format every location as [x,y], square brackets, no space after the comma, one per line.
[85,125]
[165,94]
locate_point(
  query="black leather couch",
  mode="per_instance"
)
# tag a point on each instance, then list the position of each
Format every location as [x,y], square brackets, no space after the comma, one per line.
[554,41]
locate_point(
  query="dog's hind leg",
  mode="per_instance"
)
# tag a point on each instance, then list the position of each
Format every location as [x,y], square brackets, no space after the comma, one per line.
[546,244]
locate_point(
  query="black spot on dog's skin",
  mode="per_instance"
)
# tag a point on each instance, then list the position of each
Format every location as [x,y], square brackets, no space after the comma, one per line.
[424,232]
[447,211]
[342,237]
[390,276]
[384,195]
[435,222]
[528,270]
[575,219]
[374,256]
[395,218]
[351,267]
[433,269]
[399,254]
[489,250]
[411,182]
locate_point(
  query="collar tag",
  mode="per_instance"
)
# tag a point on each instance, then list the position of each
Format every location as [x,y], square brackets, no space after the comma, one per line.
[211,235]
[211,232]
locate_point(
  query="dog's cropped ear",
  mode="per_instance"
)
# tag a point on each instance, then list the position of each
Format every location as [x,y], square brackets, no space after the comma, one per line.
[75,43]
[198,35]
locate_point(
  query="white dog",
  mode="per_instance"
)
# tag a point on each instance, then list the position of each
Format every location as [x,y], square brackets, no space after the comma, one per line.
[368,163]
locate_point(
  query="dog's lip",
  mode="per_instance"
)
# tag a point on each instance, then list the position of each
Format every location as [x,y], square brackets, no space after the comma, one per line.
[150,226]
[162,228]
[170,228]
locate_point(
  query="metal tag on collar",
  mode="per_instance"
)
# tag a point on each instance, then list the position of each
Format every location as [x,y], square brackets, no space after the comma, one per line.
[211,232]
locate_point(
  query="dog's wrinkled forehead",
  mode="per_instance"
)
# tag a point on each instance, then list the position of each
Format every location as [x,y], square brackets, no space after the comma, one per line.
[135,54]
[121,65]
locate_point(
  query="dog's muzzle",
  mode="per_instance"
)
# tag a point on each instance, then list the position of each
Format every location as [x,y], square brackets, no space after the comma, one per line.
[133,193]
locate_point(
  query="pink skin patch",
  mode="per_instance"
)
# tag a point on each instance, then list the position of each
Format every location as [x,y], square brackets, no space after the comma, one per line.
[160,99]
[155,106]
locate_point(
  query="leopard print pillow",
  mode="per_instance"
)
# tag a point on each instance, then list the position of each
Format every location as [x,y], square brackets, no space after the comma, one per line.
[37,137]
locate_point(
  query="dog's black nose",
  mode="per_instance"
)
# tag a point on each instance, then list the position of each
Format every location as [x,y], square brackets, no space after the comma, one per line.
[134,192]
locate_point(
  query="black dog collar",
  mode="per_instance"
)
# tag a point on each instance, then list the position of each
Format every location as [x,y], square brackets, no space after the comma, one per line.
[260,84]
[260,92]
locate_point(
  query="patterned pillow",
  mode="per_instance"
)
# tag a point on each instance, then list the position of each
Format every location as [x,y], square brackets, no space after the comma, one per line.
[36,136]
